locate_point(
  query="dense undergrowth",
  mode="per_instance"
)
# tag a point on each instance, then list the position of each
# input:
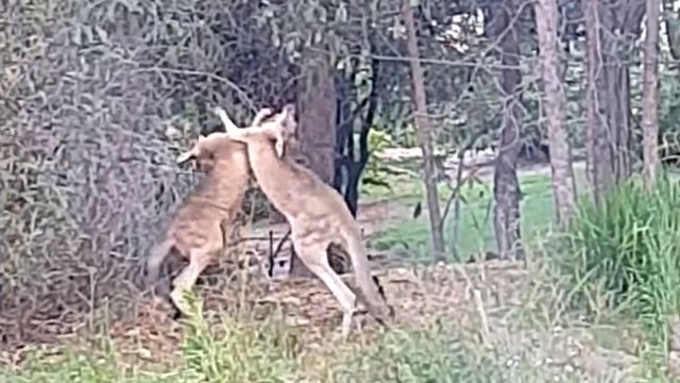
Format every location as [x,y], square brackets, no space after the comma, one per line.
[263,353]
[623,257]
[617,264]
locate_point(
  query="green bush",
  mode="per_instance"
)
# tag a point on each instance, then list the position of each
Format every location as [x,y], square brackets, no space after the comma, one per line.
[418,357]
[245,351]
[375,173]
[624,255]
[627,249]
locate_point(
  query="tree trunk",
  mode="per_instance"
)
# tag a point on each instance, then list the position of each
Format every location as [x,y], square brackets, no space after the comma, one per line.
[672,31]
[627,29]
[555,109]
[424,131]
[316,130]
[650,126]
[599,159]
[349,168]
[506,184]
[619,116]
[611,30]
[344,130]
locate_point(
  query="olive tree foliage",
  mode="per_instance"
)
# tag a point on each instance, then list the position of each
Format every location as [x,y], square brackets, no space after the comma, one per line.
[96,99]
[460,86]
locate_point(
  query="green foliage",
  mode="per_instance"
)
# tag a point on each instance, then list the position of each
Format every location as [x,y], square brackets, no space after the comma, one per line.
[669,109]
[242,353]
[623,255]
[252,353]
[237,351]
[476,233]
[375,173]
[71,367]
[623,246]
[420,356]
[406,136]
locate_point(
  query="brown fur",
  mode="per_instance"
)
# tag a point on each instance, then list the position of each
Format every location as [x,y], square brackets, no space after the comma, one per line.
[201,227]
[317,213]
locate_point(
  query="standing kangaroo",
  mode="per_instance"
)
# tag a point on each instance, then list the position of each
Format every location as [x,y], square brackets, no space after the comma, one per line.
[198,230]
[317,214]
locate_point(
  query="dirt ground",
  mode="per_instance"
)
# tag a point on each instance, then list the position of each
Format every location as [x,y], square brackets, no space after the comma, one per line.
[485,303]
[419,297]
[476,300]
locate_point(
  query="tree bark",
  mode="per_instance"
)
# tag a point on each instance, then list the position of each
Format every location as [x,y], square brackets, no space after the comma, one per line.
[506,184]
[672,31]
[619,116]
[611,30]
[555,107]
[424,131]
[599,159]
[316,130]
[349,168]
[627,18]
[650,91]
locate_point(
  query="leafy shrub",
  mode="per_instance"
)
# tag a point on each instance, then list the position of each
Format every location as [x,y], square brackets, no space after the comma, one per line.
[422,356]
[627,249]
[246,351]
[624,255]
[375,173]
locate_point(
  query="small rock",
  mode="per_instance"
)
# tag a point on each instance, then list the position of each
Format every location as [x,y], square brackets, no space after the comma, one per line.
[144,353]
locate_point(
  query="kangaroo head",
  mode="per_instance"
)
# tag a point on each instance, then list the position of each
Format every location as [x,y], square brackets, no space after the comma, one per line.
[280,127]
[209,150]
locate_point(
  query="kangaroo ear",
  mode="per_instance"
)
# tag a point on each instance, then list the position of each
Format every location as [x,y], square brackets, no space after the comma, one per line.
[261,116]
[289,109]
[289,124]
[224,117]
[280,144]
[193,152]
[280,119]
[184,157]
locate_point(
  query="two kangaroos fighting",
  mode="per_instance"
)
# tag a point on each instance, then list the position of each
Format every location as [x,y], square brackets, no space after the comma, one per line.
[317,214]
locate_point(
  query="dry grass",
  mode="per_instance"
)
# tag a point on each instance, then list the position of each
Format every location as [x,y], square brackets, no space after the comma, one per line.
[486,323]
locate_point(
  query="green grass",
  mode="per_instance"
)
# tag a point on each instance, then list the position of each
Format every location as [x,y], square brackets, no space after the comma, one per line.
[239,351]
[622,256]
[476,234]
[254,352]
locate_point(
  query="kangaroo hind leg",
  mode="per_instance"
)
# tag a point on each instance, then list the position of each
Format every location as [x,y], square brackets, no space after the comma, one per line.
[314,257]
[199,260]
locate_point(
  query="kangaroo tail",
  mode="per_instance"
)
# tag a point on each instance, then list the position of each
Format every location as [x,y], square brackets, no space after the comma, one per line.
[368,286]
[153,264]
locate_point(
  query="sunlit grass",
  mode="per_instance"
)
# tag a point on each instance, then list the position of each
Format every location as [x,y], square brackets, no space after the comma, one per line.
[476,233]
[522,338]
[623,256]
[237,350]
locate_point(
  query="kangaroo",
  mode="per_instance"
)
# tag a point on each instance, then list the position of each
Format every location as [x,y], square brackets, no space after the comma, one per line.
[317,213]
[198,231]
